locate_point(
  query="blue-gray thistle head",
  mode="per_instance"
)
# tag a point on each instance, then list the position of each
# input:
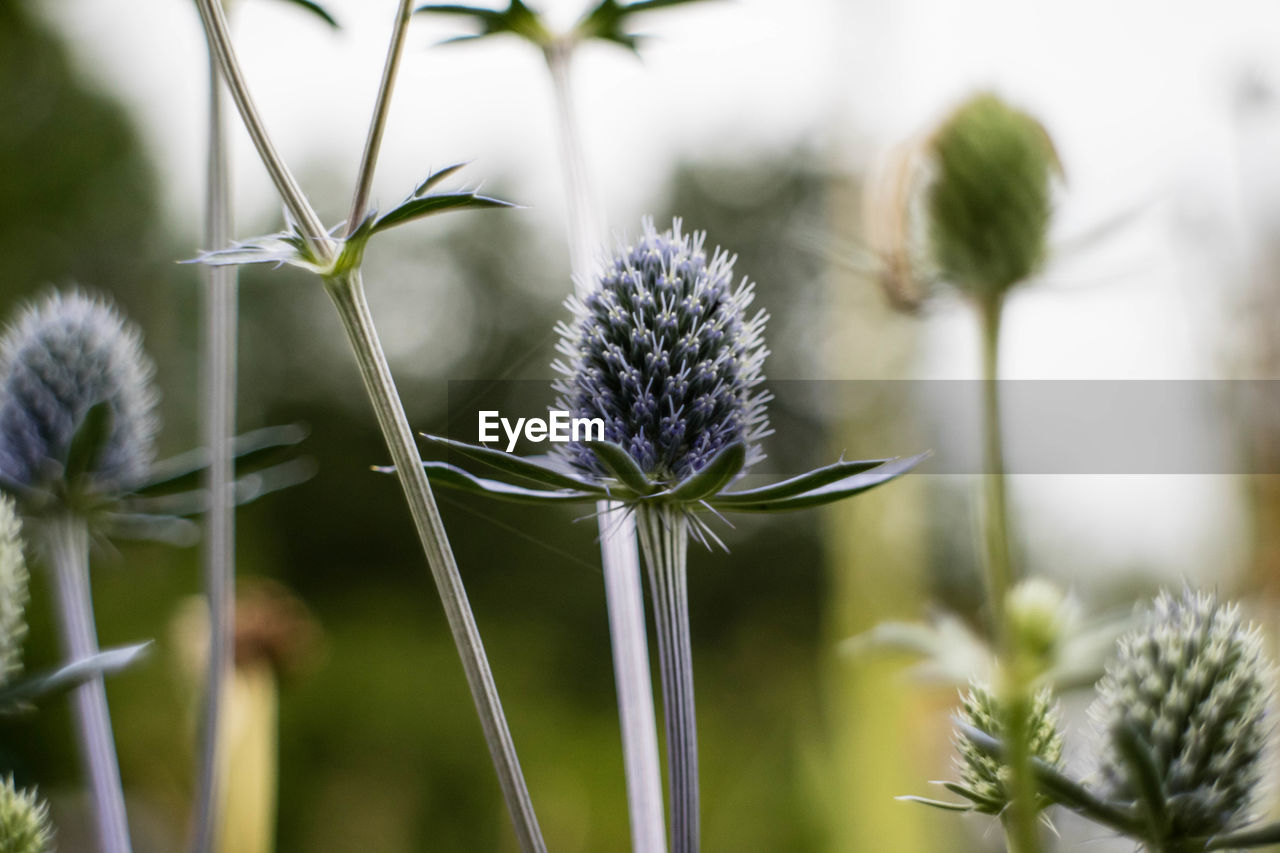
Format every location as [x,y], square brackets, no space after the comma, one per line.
[71,361]
[24,821]
[984,779]
[662,351]
[13,592]
[1192,688]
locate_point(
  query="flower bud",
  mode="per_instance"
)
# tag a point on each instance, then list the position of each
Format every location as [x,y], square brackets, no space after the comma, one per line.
[989,200]
[985,778]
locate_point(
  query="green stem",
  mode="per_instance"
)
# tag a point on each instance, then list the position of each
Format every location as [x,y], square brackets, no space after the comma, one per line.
[347,293]
[219,404]
[664,539]
[1021,828]
[67,542]
[381,108]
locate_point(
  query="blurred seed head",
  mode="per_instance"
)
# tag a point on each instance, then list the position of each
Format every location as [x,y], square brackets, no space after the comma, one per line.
[985,780]
[24,821]
[13,592]
[1193,685]
[1040,616]
[988,201]
[61,357]
[662,350]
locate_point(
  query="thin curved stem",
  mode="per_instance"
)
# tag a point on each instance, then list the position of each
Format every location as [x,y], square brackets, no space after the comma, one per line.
[347,293]
[67,543]
[219,38]
[219,404]
[664,539]
[382,107]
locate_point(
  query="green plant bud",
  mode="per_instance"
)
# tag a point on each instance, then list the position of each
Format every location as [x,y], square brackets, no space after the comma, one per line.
[989,199]
[984,779]
[13,591]
[1191,686]
[24,821]
[1039,615]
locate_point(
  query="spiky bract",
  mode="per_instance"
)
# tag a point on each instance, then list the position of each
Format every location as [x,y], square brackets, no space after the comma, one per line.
[662,351]
[1193,686]
[65,355]
[24,821]
[985,780]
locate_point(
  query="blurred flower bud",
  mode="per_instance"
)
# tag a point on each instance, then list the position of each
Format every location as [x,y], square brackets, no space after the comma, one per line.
[13,592]
[1192,687]
[77,405]
[984,779]
[662,350]
[989,197]
[1039,616]
[24,821]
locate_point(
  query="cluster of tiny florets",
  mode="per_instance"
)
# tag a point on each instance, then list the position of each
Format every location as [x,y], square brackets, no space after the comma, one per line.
[662,351]
[24,821]
[1193,685]
[986,778]
[60,358]
[13,591]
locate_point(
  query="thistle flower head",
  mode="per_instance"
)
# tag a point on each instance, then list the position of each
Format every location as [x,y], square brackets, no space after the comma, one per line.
[662,351]
[989,202]
[13,592]
[70,360]
[985,781]
[24,821]
[1191,687]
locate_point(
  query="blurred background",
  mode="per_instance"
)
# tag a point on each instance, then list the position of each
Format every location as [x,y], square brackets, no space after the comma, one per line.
[759,121]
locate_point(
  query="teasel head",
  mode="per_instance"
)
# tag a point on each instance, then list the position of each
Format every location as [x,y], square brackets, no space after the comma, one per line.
[662,350]
[24,820]
[13,592]
[984,778]
[77,403]
[1183,710]
[988,199]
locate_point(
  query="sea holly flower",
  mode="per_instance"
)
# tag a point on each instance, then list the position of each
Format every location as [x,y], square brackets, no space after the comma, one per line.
[24,820]
[1183,708]
[985,781]
[661,351]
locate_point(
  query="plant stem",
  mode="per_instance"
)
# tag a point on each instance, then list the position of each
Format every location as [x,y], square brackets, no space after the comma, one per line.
[996,517]
[1015,690]
[347,293]
[381,108]
[584,220]
[219,403]
[624,595]
[219,38]
[664,539]
[624,599]
[67,541]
